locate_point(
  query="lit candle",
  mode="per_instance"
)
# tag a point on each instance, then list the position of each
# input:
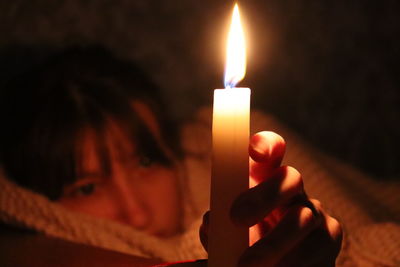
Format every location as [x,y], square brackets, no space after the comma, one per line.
[230,169]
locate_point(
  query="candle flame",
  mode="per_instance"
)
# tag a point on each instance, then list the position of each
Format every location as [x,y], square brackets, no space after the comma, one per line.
[236,52]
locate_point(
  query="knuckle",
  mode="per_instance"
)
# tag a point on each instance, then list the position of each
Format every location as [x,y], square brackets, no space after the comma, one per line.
[295,178]
[307,216]
[335,229]
[317,204]
[301,217]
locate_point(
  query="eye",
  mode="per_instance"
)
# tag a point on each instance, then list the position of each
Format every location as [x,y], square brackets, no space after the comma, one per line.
[145,161]
[86,189]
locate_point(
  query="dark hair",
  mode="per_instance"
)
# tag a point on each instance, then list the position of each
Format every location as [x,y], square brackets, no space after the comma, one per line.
[44,111]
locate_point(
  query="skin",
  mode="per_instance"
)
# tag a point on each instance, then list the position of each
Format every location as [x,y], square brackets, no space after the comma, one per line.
[287,228]
[138,192]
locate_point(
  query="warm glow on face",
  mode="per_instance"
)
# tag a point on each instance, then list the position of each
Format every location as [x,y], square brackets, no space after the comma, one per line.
[236,52]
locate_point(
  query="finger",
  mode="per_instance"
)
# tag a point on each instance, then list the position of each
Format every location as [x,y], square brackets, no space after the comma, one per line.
[274,217]
[266,152]
[254,204]
[295,225]
[203,231]
[320,247]
[264,227]
[266,145]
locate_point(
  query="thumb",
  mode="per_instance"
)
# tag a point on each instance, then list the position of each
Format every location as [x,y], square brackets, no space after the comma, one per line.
[266,152]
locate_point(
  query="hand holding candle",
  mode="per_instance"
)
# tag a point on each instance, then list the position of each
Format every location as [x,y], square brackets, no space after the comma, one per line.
[288,227]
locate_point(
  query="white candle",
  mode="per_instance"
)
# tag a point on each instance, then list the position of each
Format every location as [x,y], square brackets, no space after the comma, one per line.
[230,169]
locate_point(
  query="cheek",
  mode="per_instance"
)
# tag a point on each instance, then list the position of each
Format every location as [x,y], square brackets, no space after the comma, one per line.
[165,192]
[98,204]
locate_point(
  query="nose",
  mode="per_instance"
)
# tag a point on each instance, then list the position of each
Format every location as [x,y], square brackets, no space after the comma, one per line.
[131,204]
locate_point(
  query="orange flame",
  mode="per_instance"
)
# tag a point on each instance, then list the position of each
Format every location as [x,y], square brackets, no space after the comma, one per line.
[235,69]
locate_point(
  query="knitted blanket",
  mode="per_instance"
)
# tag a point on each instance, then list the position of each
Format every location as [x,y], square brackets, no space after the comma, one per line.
[368,210]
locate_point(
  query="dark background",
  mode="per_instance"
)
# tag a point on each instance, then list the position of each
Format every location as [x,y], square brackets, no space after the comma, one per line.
[328,69]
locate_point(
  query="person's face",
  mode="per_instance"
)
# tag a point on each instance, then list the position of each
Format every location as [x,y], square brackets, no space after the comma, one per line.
[137,191]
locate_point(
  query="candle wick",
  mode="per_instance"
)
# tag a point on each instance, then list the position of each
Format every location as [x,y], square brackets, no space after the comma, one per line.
[231,83]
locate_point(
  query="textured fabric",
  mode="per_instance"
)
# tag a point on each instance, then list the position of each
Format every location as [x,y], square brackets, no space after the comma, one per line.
[369,211]
[26,209]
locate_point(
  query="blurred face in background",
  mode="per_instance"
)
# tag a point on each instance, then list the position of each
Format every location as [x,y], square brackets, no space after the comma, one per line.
[137,189]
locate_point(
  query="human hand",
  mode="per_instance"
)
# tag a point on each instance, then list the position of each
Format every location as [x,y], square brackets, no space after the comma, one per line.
[287,228]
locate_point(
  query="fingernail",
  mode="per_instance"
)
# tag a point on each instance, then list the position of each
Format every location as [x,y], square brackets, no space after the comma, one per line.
[260,145]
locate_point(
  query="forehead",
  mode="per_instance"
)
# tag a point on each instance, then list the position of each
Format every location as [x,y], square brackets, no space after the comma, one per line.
[119,139]
[147,116]
[122,133]
[112,133]
[97,149]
